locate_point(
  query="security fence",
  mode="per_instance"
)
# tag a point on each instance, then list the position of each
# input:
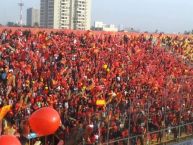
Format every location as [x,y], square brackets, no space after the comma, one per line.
[172,134]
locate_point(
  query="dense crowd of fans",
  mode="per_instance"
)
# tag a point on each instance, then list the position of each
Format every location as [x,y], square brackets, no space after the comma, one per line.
[145,87]
[180,45]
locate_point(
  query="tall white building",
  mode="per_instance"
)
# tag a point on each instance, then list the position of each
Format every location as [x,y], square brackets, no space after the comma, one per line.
[69,14]
[33,17]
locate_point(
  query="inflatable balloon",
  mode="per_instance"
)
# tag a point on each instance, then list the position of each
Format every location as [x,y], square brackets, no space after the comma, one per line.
[45,121]
[9,140]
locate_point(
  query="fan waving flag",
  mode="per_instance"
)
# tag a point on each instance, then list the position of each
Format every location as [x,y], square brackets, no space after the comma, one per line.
[101,102]
[4,110]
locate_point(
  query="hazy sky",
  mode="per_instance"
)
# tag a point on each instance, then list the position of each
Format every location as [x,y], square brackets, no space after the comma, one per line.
[164,15]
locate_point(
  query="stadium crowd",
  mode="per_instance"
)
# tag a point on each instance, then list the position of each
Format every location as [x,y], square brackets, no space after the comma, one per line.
[180,45]
[133,73]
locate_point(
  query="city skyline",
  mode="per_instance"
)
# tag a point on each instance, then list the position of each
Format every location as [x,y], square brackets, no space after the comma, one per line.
[147,15]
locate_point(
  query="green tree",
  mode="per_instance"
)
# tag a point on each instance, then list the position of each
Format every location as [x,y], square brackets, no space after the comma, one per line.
[11,24]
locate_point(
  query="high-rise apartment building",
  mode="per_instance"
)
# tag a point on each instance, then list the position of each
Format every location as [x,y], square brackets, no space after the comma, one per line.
[33,17]
[69,14]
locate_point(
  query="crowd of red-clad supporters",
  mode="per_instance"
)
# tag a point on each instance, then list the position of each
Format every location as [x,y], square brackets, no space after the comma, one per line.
[134,73]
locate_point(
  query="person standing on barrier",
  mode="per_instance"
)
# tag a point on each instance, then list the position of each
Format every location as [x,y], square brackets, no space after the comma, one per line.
[141,132]
[175,130]
[160,133]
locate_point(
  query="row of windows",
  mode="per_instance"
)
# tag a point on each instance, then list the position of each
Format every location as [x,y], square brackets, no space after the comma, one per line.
[51,2]
[78,12]
[81,15]
[77,5]
[51,7]
[64,11]
[83,2]
[64,14]
[65,3]
[64,17]
[79,22]
[64,7]
[81,19]
[64,24]
[81,8]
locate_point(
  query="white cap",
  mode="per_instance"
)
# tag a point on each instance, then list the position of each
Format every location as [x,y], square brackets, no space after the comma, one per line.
[11,70]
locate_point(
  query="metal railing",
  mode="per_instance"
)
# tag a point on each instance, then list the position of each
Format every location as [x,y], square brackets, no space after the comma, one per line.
[163,136]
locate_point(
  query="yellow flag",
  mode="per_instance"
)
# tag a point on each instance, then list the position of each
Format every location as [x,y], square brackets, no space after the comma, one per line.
[4,111]
[101,102]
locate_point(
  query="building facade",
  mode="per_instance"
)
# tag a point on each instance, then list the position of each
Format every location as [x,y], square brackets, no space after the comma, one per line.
[104,27]
[68,14]
[33,17]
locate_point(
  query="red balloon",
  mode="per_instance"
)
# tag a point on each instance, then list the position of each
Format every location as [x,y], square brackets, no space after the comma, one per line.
[9,140]
[45,121]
